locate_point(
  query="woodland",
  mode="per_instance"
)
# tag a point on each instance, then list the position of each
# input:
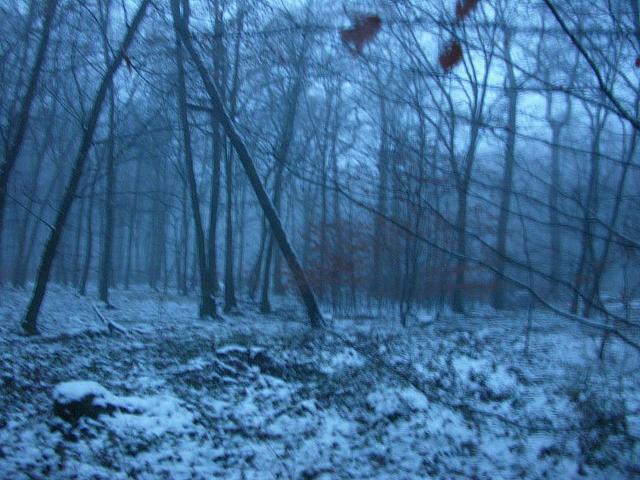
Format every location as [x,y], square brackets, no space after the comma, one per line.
[311,239]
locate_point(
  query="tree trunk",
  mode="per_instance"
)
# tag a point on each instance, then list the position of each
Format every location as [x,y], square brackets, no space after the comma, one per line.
[230,302]
[600,265]
[207,303]
[244,156]
[554,217]
[133,212]
[82,288]
[13,147]
[229,289]
[498,293]
[107,240]
[555,246]
[581,277]
[29,322]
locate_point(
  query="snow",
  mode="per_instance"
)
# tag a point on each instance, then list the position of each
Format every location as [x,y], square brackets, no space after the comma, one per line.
[346,358]
[263,397]
[77,390]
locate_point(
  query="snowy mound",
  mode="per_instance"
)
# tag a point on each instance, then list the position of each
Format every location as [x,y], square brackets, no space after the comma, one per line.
[79,390]
[84,398]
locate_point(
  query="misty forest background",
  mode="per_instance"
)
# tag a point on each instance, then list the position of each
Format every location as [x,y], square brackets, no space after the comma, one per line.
[312,240]
[509,180]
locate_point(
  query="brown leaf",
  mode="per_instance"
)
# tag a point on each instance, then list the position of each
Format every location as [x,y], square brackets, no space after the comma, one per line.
[363,31]
[450,56]
[464,7]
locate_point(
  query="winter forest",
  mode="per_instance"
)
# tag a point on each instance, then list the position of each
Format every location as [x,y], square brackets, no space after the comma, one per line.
[255,239]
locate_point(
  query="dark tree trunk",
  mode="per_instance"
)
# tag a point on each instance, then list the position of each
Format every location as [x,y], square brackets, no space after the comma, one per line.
[133,212]
[29,322]
[498,294]
[207,302]
[265,304]
[230,302]
[82,288]
[106,257]
[13,147]
[308,297]
[229,289]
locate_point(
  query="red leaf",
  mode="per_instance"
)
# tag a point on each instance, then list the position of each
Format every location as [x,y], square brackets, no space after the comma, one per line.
[450,56]
[464,7]
[363,31]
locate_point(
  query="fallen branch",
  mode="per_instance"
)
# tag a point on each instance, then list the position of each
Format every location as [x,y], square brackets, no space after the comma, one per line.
[111,325]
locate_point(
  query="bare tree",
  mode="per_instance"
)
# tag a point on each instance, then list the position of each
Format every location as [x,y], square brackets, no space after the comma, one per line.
[14,145]
[308,297]
[29,321]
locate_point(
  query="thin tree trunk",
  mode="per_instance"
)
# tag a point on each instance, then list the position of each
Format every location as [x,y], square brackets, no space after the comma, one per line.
[230,302]
[590,209]
[21,261]
[556,256]
[133,212]
[29,322]
[378,235]
[107,240]
[308,297]
[265,304]
[14,147]
[254,277]
[229,289]
[457,302]
[82,289]
[498,294]
[207,302]
[600,265]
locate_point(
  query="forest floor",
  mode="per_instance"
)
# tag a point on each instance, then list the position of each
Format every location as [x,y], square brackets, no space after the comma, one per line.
[259,397]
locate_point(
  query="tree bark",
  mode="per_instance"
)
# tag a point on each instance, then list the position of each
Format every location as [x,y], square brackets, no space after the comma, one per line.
[308,297]
[107,240]
[29,322]
[498,294]
[14,147]
[207,303]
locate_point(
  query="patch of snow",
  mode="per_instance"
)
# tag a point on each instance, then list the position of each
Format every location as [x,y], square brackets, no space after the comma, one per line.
[78,390]
[346,358]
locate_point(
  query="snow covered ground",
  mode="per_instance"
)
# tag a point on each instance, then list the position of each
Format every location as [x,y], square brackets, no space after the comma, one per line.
[261,397]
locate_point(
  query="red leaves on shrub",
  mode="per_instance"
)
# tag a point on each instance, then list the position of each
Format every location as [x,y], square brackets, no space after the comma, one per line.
[450,56]
[364,30]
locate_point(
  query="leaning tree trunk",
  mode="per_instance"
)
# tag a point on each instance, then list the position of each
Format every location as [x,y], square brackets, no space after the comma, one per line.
[14,147]
[29,322]
[248,164]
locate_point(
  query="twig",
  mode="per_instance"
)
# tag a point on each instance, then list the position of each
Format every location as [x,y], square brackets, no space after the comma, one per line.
[601,83]
[111,325]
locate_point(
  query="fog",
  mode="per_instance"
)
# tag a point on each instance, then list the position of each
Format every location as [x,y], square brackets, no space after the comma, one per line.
[431,206]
